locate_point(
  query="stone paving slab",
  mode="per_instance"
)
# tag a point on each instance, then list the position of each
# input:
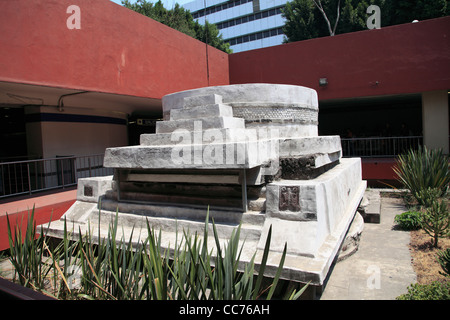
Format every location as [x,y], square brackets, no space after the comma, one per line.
[381,269]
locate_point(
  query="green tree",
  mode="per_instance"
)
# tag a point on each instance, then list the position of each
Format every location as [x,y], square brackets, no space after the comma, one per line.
[209,33]
[301,22]
[307,19]
[180,19]
[326,13]
[435,219]
[404,11]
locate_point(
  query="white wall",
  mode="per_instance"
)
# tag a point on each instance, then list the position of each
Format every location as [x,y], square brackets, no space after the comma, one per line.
[49,139]
[435,120]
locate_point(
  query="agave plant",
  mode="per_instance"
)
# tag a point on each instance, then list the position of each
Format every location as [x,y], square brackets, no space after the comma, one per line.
[27,253]
[423,169]
[112,268]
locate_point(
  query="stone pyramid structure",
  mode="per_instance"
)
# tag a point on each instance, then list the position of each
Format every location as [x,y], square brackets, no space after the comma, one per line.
[249,155]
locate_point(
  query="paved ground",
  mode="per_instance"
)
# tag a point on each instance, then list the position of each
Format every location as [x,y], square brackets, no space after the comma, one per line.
[381,268]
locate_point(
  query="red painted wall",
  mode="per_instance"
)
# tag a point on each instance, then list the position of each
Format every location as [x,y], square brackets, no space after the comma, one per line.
[115,51]
[378,168]
[407,58]
[42,215]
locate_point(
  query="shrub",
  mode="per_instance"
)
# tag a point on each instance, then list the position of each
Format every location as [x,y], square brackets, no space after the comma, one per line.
[435,221]
[444,261]
[409,220]
[423,169]
[428,197]
[433,291]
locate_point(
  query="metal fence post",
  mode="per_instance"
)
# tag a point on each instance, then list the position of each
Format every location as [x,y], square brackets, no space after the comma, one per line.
[29,177]
[62,172]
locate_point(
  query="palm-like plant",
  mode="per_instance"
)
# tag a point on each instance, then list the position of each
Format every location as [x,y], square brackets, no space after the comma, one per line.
[423,169]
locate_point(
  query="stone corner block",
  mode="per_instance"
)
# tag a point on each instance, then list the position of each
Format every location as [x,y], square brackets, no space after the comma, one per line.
[91,189]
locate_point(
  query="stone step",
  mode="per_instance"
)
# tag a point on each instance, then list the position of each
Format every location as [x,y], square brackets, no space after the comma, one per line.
[253,217]
[201,100]
[195,213]
[370,206]
[223,156]
[249,231]
[224,191]
[201,112]
[198,200]
[188,138]
[137,233]
[198,125]
[80,211]
[225,135]
[257,204]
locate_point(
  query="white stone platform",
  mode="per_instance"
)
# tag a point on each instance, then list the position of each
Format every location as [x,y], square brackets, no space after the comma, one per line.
[251,154]
[312,244]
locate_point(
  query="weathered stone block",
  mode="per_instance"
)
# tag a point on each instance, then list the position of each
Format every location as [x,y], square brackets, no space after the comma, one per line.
[291,201]
[201,112]
[305,146]
[90,189]
[303,168]
[199,125]
[326,207]
[201,100]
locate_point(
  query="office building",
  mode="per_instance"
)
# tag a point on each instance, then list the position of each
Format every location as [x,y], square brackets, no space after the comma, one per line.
[245,24]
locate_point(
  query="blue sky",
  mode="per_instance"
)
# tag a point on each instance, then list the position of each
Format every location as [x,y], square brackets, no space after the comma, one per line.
[167,3]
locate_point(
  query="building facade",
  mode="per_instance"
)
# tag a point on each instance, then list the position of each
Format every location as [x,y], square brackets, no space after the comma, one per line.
[245,24]
[68,91]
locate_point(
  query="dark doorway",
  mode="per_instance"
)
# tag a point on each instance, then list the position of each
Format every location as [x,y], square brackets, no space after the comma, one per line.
[392,116]
[140,124]
[13,137]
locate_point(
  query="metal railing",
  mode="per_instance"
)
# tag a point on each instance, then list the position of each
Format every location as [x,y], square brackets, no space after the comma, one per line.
[26,177]
[379,146]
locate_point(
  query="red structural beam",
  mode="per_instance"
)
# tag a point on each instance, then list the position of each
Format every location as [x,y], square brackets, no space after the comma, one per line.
[101,46]
[407,58]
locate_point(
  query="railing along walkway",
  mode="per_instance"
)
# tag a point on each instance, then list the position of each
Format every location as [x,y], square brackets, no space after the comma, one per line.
[379,146]
[22,177]
[27,177]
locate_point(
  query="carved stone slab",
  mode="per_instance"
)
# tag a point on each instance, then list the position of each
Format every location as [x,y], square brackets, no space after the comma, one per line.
[289,198]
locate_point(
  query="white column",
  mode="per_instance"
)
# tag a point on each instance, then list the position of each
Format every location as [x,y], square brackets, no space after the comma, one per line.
[435,120]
